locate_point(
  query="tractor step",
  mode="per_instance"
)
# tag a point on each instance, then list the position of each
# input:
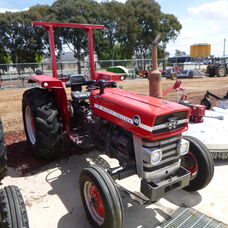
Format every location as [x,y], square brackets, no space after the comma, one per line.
[187,217]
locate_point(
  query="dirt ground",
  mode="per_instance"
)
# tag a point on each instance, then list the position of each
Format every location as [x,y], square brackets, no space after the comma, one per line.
[10,100]
[51,190]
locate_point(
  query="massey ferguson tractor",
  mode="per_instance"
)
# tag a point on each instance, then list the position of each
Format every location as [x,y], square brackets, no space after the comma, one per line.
[143,133]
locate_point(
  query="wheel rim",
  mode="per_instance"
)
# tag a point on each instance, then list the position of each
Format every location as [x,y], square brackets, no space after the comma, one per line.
[30,125]
[189,162]
[222,72]
[94,203]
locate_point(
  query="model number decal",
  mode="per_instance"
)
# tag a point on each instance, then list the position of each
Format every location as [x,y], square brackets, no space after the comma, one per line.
[136,121]
[113,113]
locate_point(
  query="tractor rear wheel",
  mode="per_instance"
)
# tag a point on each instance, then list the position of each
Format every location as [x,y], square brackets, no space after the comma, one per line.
[12,209]
[101,199]
[200,164]
[221,71]
[41,123]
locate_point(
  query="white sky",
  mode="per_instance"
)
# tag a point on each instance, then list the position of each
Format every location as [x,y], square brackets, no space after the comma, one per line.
[206,23]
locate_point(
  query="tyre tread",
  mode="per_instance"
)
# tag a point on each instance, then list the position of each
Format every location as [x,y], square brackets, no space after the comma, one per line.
[108,185]
[205,155]
[12,208]
[47,123]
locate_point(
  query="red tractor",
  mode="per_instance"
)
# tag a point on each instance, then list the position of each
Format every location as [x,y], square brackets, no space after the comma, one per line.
[143,133]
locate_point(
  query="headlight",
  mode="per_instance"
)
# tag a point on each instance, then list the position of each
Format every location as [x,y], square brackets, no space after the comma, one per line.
[156,156]
[152,155]
[183,147]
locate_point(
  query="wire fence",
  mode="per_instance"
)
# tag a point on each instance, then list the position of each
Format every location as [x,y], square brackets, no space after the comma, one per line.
[16,75]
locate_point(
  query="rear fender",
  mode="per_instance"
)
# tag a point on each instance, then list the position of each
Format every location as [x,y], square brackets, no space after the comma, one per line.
[46,81]
[56,85]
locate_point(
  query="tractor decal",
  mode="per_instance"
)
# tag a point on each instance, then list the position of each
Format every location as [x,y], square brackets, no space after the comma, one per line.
[125,118]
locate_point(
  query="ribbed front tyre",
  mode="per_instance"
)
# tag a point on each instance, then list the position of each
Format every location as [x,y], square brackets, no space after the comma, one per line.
[200,164]
[101,199]
[13,213]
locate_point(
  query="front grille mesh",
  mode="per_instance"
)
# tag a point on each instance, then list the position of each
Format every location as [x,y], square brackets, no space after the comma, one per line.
[170,154]
[165,119]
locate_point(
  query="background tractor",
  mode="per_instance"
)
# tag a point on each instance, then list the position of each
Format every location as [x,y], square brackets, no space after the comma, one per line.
[218,67]
[143,133]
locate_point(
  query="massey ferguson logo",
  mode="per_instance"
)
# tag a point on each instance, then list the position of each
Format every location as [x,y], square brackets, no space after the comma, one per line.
[136,120]
[172,124]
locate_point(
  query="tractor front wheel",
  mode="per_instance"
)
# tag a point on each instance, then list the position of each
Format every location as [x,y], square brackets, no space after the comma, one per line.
[13,213]
[101,199]
[41,123]
[199,163]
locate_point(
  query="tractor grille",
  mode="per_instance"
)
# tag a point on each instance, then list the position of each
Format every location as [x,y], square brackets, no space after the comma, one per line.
[170,154]
[161,124]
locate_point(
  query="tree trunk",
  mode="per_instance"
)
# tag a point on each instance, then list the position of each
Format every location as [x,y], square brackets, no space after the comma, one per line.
[79,67]
[78,57]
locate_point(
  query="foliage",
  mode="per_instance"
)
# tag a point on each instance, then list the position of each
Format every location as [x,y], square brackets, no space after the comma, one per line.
[179,53]
[141,22]
[20,40]
[4,58]
[108,45]
[130,29]
[80,11]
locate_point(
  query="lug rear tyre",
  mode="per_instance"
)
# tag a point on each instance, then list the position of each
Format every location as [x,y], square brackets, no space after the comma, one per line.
[199,162]
[41,123]
[100,198]
[13,213]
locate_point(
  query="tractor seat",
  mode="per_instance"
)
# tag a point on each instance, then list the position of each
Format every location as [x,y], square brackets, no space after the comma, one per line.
[78,81]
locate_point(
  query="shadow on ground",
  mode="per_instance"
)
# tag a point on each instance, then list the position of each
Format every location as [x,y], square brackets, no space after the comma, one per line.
[20,157]
[66,186]
[220,162]
[63,177]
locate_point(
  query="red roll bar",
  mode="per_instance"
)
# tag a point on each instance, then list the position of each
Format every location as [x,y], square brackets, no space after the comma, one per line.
[50,26]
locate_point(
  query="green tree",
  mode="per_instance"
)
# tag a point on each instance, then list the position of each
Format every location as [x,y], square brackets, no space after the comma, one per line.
[23,42]
[169,29]
[141,22]
[179,53]
[108,44]
[80,11]
[4,59]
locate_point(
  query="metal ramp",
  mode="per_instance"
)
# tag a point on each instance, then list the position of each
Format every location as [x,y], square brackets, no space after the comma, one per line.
[189,218]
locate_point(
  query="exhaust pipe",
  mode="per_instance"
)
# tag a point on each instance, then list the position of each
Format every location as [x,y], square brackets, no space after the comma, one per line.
[155,76]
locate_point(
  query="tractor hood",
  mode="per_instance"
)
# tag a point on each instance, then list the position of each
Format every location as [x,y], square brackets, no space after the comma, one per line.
[146,116]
